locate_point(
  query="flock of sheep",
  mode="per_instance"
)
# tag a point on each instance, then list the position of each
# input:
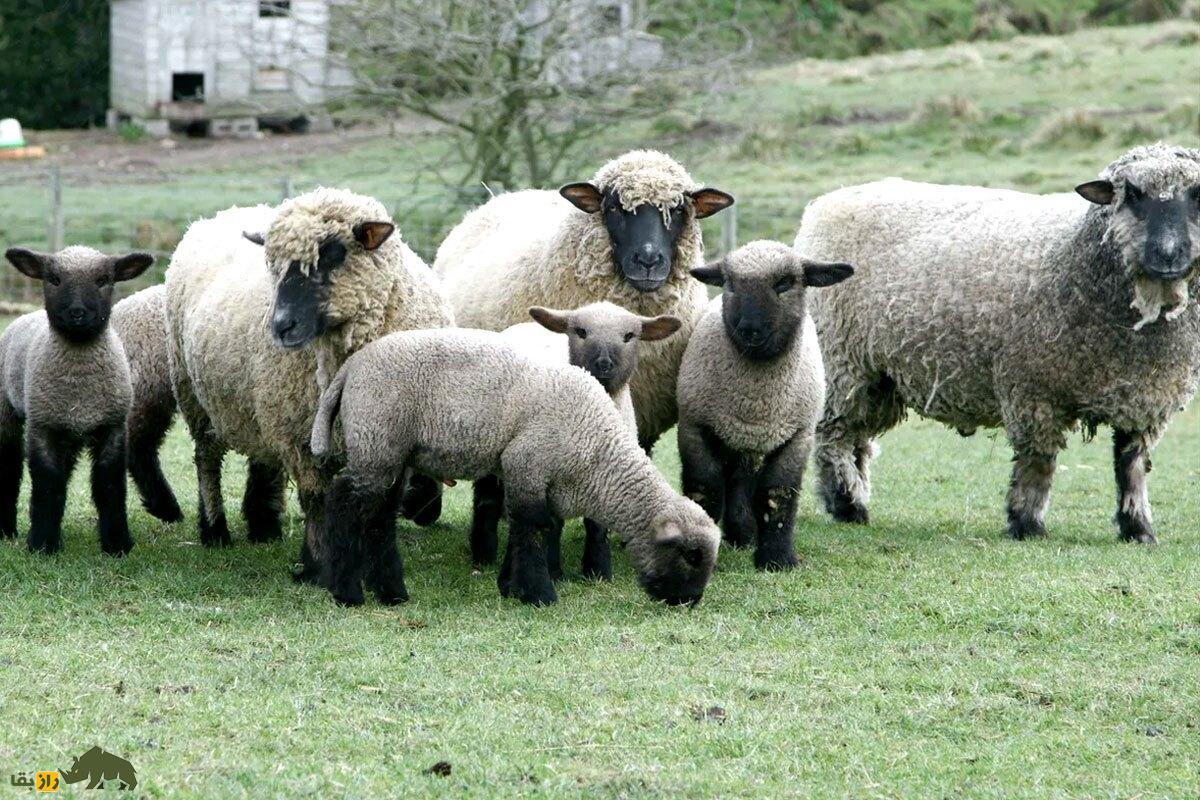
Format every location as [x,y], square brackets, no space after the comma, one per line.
[311,339]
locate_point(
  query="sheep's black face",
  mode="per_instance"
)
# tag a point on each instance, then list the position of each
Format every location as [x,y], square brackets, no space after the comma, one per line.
[763,302]
[77,286]
[644,239]
[1158,229]
[302,298]
[682,559]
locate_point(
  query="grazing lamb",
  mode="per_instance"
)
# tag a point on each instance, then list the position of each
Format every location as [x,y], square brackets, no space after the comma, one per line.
[751,389]
[66,385]
[252,346]
[141,322]
[985,307]
[631,238]
[464,404]
[604,340]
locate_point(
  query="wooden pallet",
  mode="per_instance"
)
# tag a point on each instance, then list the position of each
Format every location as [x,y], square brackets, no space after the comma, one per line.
[14,153]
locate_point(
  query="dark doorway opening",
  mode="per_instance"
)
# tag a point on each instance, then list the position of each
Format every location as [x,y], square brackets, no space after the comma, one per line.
[187,87]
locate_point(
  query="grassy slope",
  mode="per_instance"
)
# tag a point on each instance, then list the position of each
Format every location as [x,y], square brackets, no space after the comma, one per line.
[922,656]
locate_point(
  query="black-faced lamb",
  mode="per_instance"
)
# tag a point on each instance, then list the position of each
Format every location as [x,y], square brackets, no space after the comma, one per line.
[604,340]
[141,322]
[986,307]
[66,386]
[751,389]
[629,236]
[252,345]
[463,404]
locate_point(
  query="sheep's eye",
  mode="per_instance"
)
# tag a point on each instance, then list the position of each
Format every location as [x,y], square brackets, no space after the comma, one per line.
[103,280]
[694,558]
[581,333]
[54,279]
[629,337]
[785,283]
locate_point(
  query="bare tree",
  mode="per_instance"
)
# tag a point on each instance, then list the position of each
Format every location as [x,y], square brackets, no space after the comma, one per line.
[520,84]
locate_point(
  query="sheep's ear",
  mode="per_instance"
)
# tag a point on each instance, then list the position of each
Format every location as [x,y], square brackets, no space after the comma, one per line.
[821,273]
[711,274]
[549,319]
[709,201]
[259,239]
[28,262]
[584,196]
[128,267]
[1099,192]
[372,234]
[655,328]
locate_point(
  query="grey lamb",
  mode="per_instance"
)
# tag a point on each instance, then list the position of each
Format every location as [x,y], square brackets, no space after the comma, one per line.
[463,404]
[750,392]
[65,386]
[985,307]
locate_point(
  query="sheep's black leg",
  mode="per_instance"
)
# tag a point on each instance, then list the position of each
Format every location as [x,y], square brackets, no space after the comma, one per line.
[845,441]
[1029,493]
[422,500]
[552,538]
[313,566]
[214,529]
[740,528]
[1131,464]
[147,429]
[597,556]
[702,458]
[385,571]
[488,503]
[351,505]
[262,502]
[775,498]
[525,574]
[12,464]
[108,489]
[52,456]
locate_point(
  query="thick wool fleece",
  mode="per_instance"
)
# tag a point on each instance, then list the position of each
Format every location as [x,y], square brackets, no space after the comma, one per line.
[259,398]
[52,382]
[534,248]
[141,322]
[753,407]
[461,404]
[981,307]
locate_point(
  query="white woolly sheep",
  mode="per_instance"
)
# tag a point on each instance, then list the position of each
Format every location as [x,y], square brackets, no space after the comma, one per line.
[252,346]
[141,322]
[751,389]
[604,340]
[630,239]
[428,400]
[65,385]
[985,307]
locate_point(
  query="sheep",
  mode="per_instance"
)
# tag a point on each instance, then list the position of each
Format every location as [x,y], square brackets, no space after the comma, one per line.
[630,239]
[251,347]
[463,404]
[603,339]
[985,307]
[140,321]
[751,390]
[65,385]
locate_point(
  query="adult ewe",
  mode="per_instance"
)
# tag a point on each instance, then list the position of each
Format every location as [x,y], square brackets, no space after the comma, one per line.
[252,347]
[141,322]
[984,307]
[630,239]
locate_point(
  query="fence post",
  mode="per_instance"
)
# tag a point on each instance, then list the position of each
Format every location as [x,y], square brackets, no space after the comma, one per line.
[56,233]
[286,189]
[729,230]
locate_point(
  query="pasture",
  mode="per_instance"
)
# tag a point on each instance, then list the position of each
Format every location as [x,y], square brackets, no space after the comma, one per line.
[924,655]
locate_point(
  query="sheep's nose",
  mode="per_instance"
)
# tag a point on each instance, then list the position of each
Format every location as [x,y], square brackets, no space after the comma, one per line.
[76,313]
[603,365]
[647,260]
[283,323]
[750,334]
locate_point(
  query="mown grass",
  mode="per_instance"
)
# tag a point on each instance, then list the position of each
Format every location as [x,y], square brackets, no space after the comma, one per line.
[922,656]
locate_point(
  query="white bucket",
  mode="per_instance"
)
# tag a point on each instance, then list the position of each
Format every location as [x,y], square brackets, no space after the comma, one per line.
[10,133]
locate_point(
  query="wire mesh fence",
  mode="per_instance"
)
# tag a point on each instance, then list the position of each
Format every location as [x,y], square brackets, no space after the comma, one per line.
[52,207]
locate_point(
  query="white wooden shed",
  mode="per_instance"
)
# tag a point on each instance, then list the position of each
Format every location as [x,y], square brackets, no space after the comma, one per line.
[221,63]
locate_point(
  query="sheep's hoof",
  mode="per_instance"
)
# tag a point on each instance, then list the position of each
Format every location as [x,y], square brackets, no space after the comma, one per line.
[165,509]
[392,596]
[1132,529]
[736,539]
[215,534]
[775,561]
[1021,528]
[349,596]
[265,530]
[538,595]
[118,548]
[851,511]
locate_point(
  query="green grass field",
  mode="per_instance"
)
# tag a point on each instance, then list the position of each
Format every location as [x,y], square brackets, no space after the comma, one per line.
[922,656]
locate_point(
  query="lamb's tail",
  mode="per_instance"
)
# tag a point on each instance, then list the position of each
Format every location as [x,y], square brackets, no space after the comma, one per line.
[327,411]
